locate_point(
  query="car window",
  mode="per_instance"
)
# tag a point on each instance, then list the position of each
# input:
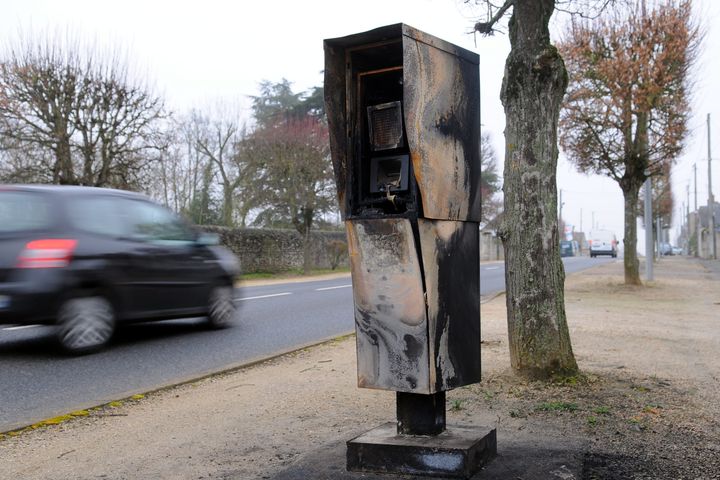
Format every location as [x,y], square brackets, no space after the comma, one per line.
[23,211]
[99,215]
[152,223]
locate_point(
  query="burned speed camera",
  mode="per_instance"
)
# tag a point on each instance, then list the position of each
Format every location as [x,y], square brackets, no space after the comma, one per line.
[404,115]
[403,108]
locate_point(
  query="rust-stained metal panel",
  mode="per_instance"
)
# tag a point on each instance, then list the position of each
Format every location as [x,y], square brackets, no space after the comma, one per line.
[390,315]
[451,262]
[441,92]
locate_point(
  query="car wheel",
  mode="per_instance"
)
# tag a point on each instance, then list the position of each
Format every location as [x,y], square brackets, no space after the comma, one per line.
[86,324]
[221,307]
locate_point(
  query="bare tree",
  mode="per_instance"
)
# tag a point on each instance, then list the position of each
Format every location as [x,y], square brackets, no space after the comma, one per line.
[117,124]
[83,115]
[40,85]
[184,178]
[626,112]
[220,134]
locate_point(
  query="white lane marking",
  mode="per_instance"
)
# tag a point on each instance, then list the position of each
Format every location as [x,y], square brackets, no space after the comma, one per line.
[265,296]
[491,268]
[332,288]
[20,327]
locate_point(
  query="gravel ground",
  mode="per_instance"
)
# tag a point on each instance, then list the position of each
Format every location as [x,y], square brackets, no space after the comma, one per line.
[646,406]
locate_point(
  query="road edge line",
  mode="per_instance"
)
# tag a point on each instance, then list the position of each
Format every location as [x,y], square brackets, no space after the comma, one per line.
[124,398]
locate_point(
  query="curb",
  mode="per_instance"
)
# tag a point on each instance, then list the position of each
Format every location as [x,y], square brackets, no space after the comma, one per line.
[491,297]
[136,396]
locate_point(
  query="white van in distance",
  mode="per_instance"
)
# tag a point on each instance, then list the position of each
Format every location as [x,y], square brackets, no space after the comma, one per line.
[603,242]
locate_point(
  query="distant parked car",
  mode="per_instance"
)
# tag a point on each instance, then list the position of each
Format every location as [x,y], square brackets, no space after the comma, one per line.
[87,259]
[567,248]
[666,249]
[603,242]
[677,250]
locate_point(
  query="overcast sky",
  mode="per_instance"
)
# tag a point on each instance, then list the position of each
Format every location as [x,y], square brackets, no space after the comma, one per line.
[199,52]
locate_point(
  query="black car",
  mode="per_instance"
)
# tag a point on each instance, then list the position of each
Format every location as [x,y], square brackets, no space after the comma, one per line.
[87,259]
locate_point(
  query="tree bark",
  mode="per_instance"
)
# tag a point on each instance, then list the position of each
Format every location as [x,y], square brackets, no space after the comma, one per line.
[533,87]
[307,263]
[227,208]
[631,192]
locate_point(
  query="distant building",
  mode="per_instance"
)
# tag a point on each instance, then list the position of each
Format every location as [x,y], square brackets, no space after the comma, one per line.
[705,243]
[491,248]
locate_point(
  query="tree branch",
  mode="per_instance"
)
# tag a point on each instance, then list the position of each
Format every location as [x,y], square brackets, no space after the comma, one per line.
[486,28]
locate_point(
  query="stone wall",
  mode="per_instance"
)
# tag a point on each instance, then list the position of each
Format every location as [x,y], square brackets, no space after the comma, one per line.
[491,248]
[267,250]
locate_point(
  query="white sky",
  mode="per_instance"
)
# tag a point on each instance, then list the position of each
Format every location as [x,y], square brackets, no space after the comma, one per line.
[198,52]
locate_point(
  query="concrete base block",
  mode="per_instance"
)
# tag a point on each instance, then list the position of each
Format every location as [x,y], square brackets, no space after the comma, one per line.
[458,452]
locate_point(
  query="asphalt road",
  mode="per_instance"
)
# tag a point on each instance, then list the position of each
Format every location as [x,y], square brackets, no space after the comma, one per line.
[37,381]
[492,275]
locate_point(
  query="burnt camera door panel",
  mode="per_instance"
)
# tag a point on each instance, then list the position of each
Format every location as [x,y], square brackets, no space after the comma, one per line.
[451,262]
[441,105]
[390,315]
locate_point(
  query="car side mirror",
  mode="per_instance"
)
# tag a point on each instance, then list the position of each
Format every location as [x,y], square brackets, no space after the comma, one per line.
[207,238]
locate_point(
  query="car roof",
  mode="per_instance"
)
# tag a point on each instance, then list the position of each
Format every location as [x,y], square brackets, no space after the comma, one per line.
[70,190]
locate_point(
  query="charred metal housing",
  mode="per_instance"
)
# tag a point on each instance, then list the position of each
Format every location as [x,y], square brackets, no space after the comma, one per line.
[404,114]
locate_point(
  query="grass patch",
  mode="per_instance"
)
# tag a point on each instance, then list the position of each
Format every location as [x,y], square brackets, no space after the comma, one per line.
[456,405]
[570,380]
[603,410]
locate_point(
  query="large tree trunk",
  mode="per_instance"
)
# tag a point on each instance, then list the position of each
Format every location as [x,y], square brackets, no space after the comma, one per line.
[64,173]
[227,205]
[631,193]
[533,87]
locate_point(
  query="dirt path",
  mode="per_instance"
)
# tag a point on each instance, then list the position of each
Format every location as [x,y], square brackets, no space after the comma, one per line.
[647,406]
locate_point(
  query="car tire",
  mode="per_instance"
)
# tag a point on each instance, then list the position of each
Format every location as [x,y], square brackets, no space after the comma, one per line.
[86,324]
[221,307]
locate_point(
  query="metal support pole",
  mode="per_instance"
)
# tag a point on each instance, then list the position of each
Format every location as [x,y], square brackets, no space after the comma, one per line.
[560,215]
[658,227]
[711,199]
[420,414]
[687,222]
[648,232]
[698,233]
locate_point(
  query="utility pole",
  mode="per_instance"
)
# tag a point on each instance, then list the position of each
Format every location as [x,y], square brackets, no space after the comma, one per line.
[648,232]
[560,215]
[697,217]
[711,200]
[687,221]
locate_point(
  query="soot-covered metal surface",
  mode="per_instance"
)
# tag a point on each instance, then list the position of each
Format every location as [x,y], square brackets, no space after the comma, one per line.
[411,207]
